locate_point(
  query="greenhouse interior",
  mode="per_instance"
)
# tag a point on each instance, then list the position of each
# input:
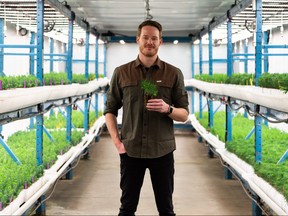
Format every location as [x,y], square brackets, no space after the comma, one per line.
[57,156]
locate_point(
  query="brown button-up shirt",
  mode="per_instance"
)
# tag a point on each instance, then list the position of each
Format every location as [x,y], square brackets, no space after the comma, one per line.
[146,134]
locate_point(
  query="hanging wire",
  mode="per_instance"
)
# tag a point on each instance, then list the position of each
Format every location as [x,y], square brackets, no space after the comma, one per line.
[251,113]
[147,7]
[73,165]
[223,163]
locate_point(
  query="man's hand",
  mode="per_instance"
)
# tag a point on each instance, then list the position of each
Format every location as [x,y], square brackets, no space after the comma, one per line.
[120,147]
[157,105]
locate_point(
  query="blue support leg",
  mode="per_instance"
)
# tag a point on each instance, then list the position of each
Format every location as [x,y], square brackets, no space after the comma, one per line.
[1,49]
[211,114]
[200,107]
[228,135]
[216,110]
[210,153]
[86,116]
[69,174]
[283,158]
[192,102]
[41,210]
[66,116]
[86,153]
[68,123]
[51,52]
[256,210]
[96,106]
[31,57]
[258,139]
[97,57]
[48,134]
[227,173]
[250,133]
[9,151]
[39,139]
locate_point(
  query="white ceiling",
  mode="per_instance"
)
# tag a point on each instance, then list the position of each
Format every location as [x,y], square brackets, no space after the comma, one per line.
[178,17]
[122,17]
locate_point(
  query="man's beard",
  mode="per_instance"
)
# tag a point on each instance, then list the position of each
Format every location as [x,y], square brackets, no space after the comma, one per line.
[149,53]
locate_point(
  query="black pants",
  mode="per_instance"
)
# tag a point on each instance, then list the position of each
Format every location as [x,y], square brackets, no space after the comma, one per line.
[162,178]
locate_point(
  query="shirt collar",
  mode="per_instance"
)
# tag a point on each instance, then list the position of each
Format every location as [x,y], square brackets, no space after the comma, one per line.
[157,63]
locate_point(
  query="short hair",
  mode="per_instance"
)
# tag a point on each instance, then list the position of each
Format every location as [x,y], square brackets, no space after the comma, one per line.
[150,23]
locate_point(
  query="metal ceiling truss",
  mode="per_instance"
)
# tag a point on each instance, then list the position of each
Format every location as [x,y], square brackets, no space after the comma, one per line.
[22,13]
[274,14]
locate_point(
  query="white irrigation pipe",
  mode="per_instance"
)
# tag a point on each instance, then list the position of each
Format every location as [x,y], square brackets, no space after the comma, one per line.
[42,185]
[271,98]
[265,191]
[20,98]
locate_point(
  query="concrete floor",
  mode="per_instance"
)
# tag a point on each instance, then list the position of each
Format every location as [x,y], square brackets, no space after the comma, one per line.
[200,186]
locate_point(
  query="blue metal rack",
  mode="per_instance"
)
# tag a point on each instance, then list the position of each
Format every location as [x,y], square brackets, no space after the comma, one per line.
[69,59]
[39,109]
[261,57]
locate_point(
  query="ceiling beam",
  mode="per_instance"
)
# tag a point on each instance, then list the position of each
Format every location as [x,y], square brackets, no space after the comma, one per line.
[234,10]
[66,11]
[62,8]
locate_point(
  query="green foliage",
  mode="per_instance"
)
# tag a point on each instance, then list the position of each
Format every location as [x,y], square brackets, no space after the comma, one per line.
[9,82]
[275,80]
[91,77]
[241,79]
[52,78]
[149,87]
[79,78]
[13,176]
[274,145]
[215,78]
[57,121]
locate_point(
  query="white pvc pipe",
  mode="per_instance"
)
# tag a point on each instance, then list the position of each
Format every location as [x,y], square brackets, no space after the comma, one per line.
[270,98]
[42,185]
[20,98]
[275,201]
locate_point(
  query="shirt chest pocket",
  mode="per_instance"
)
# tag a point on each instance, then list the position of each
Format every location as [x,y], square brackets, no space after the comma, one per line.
[131,91]
[165,91]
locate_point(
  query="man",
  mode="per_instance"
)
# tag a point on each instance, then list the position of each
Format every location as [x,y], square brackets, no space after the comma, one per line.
[147,136]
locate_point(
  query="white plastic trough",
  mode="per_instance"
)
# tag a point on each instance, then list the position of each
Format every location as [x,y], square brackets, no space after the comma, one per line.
[29,196]
[15,99]
[270,98]
[275,200]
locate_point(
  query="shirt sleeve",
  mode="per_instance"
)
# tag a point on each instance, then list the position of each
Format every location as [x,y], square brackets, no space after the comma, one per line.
[180,95]
[114,96]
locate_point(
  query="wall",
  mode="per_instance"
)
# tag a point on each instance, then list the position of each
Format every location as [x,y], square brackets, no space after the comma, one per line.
[13,64]
[178,55]
[277,64]
[19,65]
[219,52]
